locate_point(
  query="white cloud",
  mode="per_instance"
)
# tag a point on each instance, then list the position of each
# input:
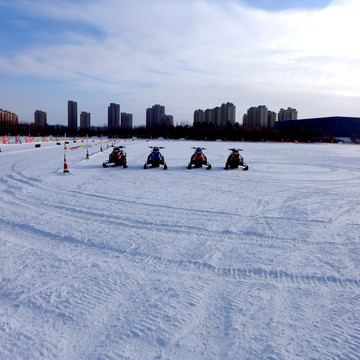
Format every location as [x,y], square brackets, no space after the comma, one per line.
[197,54]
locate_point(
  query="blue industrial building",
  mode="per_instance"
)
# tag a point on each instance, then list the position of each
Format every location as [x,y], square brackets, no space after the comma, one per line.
[336,126]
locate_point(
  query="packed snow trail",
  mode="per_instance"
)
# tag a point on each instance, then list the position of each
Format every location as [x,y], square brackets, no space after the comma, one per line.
[180,264]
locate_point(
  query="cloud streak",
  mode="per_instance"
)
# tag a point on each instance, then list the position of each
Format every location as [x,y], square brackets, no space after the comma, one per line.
[193,54]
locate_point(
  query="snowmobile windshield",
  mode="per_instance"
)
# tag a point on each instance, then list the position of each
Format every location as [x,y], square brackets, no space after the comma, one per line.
[198,151]
[116,150]
[236,152]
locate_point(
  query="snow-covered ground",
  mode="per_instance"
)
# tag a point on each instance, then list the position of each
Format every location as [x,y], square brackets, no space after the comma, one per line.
[180,264]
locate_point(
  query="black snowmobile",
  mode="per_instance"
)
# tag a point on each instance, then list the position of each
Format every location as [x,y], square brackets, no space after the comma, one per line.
[155,158]
[198,159]
[235,160]
[116,158]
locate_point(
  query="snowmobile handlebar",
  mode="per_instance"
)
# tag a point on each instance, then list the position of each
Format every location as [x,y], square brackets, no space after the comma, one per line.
[159,147]
[232,149]
[195,147]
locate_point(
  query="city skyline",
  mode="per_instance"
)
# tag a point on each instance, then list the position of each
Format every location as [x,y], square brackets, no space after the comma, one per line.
[199,54]
[219,116]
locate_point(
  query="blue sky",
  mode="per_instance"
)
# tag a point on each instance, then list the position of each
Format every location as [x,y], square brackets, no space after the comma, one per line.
[275,5]
[183,54]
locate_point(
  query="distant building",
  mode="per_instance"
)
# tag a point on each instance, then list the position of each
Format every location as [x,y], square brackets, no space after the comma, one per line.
[126,121]
[259,116]
[209,116]
[72,115]
[167,121]
[199,116]
[218,116]
[227,114]
[156,117]
[113,116]
[336,126]
[271,119]
[256,117]
[40,118]
[8,119]
[85,120]
[288,114]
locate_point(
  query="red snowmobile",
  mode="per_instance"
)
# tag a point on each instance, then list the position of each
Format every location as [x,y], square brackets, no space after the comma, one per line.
[198,159]
[235,160]
[116,158]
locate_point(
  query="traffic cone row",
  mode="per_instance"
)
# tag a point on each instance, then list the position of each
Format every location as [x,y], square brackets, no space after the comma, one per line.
[66,168]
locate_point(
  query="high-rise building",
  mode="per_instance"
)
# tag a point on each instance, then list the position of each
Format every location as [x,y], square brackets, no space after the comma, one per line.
[271,118]
[259,116]
[40,118]
[156,117]
[216,117]
[219,116]
[72,115]
[208,116]
[227,113]
[153,115]
[288,114]
[148,118]
[84,120]
[198,116]
[8,119]
[167,121]
[113,116]
[126,121]
[158,113]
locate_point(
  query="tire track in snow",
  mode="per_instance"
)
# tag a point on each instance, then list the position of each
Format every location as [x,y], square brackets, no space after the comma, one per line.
[269,222]
[76,299]
[188,267]
[233,273]
[320,173]
[72,294]
[171,228]
[31,182]
[249,237]
[109,218]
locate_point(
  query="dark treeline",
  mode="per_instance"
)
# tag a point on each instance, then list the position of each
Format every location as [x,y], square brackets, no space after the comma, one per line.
[196,132]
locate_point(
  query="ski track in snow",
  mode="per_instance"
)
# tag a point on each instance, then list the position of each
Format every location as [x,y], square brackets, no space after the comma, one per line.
[180,264]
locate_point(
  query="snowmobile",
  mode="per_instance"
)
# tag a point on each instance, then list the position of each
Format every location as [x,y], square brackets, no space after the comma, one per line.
[235,160]
[116,158]
[198,159]
[155,159]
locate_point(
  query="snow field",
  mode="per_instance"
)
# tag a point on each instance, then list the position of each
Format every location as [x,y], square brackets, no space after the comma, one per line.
[180,264]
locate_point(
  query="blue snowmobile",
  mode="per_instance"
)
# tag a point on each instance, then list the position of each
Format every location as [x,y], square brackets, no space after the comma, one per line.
[155,158]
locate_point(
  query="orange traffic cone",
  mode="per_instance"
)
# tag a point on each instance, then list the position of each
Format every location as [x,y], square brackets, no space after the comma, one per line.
[66,169]
[87,152]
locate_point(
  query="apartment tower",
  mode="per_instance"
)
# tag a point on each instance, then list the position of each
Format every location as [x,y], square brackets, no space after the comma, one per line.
[72,115]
